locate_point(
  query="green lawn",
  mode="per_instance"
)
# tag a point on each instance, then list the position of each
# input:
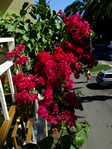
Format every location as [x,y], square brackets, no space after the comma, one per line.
[100,67]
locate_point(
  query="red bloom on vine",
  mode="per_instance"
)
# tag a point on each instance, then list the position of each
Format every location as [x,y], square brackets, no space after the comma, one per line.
[40,81]
[19,49]
[18,77]
[70,58]
[68,118]
[22,60]
[52,119]
[58,50]
[52,71]
[78,66]
[10,55]
[68,84]
[24,96]
[55,108]
[68,45]
[80,51]
[77,26]
[42,111]
[43,57]
[23,82]
[48,94]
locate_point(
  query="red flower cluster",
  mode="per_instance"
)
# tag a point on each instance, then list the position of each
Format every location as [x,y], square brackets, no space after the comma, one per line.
[22,60]
[55,69]
[25,97]
[25,85]
[78,27]
[78,30]
[51,75]
[16,55]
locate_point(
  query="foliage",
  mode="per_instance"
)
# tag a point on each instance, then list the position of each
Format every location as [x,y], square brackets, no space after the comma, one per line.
[72,140]
[82,131]
[41,30]
[52,51]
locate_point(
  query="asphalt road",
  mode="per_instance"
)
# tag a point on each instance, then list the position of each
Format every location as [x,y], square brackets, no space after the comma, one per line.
[97,103]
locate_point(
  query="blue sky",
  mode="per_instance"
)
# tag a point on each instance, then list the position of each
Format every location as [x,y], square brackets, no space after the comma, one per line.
[59,4]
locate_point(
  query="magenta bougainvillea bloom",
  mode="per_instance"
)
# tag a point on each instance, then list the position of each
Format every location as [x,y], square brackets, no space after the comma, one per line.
[22,60]
[78,27]
[52,73]
[10,55]
[25,97]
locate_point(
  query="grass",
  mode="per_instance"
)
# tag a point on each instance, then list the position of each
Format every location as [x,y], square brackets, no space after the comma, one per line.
[100,67]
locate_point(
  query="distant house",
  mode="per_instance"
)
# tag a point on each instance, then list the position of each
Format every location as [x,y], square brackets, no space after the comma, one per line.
[8,6]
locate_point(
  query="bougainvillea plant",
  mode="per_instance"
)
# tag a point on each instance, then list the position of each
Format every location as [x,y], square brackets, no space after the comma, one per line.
[50,80]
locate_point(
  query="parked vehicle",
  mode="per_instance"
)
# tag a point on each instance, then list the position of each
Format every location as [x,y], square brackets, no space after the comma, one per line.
[104,77]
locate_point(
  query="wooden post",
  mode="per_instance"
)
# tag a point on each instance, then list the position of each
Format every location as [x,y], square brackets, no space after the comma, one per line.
[46,128]
[14,133]
[3,103]
[29,131]
[4,129]
[11,46]
[11,84]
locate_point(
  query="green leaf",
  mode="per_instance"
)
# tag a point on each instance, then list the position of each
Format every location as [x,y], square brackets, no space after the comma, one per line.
[11,28]
[33,15]
[29,46]
[58,26]
[21,32]
[25,5]
[38,36]
[17,41]
[78,126]
[72,147]
[25,37]
[82,131]
[23,12]
[26,27]
[46,143]
[54,12]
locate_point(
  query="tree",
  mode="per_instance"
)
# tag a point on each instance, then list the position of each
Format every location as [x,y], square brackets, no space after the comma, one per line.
[97,12]
[95,8]
[77,6]
[42,2]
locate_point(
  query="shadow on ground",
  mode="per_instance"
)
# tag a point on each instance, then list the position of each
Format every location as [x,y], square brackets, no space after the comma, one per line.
[95,98]
[96,86]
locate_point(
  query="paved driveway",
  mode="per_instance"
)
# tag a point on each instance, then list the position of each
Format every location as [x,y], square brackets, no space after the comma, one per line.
[97,103]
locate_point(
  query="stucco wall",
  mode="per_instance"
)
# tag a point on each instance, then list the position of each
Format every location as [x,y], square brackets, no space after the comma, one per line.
[12,5]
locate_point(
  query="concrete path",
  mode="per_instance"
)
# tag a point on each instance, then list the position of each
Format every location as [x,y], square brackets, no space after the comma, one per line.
[99,115]
[97,103]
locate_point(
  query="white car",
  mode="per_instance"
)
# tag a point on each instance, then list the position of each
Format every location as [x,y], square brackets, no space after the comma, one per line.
[104,77]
